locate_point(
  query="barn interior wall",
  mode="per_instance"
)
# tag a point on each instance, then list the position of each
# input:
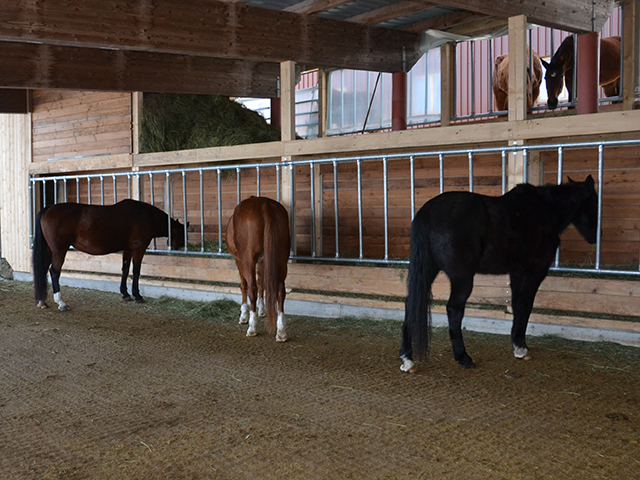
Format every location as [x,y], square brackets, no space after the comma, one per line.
[15,158]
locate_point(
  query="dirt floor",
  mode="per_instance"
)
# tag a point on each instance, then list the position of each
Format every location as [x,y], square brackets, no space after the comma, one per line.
[174,390]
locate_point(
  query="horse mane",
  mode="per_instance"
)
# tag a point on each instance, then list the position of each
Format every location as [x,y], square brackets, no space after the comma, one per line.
[564,53]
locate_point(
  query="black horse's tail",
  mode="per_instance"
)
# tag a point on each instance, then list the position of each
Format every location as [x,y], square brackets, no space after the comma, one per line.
[41,261]
[422,272]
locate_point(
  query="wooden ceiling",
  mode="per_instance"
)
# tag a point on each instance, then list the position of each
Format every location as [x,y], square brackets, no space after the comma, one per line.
[234,47]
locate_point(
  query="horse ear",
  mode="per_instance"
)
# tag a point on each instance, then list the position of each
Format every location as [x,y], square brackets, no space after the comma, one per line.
[589,181]
[546,64]
[570,179]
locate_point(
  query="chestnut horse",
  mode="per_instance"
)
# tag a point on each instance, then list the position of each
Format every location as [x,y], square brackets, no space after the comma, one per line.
[500,81]
[127,226]
[258,238]
[560,69]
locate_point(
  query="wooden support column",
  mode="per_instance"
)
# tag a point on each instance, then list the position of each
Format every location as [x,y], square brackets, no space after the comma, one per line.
[518,63]
[447,83]
[399,102]
[587,74]
[136,118]
[323,102]
[288,133]
[631,53]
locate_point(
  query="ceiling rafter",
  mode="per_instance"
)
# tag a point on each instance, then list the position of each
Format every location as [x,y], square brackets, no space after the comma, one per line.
[209,28]
[395,10]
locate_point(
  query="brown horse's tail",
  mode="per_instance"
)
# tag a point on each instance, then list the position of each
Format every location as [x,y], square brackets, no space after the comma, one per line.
[41,260]
[272,264]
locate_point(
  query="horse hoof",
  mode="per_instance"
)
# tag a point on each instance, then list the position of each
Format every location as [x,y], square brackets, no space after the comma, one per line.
[527,357]
[126,298]
[42,305]
[407,365]
[140,300]
[281,338]
[63,308]
[251,333]
[243,321]
[467,363]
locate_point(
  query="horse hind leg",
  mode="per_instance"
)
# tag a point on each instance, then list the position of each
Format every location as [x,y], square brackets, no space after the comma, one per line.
[460,292]
[260,305]
[281,334]
[54,271]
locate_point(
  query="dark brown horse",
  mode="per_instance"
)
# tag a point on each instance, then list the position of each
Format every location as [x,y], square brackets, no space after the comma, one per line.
[259,240]
[560,69]
[500,81]
[127,226]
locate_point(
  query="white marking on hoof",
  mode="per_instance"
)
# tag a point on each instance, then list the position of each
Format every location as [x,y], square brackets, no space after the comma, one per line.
[281,336]
[407,365]
[42,304]
[520,352]
[253,321]
[260,307]
[61,305]
[244,313]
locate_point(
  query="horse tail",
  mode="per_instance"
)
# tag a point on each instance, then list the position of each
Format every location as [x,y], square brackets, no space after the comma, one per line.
[422,272]
[41,260]
[271,268]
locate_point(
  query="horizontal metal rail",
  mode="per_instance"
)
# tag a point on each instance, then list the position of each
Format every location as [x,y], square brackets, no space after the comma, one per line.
[176,192]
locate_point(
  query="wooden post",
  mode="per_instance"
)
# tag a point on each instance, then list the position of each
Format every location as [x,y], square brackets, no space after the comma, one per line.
[288,133]
[587,73]
[447,83]
[136,118]
[276,113]
[399,101]
[323,102]
[518,63]
[631,53]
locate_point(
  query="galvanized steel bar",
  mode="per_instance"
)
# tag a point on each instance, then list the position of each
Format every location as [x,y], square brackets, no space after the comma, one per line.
[258,180]
[115,189]
[312,190]
[360,221]
[385,177]
[412,168]
[238,185]
[335,208]
[101,190]
[184,206]
[219,180]
[441,170]
[600,192]
[503,155]
[201,213]
[525,165]
[278,186]
[471,171]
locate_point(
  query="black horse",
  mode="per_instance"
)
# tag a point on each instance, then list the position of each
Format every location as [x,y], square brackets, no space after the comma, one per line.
[128,226]
[463,233]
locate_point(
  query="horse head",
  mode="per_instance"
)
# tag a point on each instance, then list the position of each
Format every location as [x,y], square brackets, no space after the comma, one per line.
[554,80]
[585,218]
[177,234]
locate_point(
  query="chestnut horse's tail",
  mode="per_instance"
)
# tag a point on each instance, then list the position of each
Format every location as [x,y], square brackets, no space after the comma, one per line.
[41,260]
[276,255]
[422,272]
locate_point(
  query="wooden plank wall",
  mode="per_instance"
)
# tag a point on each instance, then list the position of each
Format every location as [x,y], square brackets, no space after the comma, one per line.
[68,124]
[14,196]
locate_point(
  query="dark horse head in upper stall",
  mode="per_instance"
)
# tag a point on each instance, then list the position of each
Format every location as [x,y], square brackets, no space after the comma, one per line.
[128,226]
[559,70]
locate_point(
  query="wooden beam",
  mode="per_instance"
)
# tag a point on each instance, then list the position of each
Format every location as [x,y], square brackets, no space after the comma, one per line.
[389,12]
[14,100]
[311,7]
[209,28]
[631,53]
[579,16]
[38,66]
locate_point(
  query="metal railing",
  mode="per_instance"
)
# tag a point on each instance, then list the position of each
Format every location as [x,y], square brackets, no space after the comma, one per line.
[340,194]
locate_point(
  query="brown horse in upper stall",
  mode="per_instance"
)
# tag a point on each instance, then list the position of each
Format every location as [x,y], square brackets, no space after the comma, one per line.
[560,69]
[500,81]
[127,226]
[258,238]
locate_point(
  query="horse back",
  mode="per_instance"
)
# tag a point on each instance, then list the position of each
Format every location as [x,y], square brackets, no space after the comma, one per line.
[99,229]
